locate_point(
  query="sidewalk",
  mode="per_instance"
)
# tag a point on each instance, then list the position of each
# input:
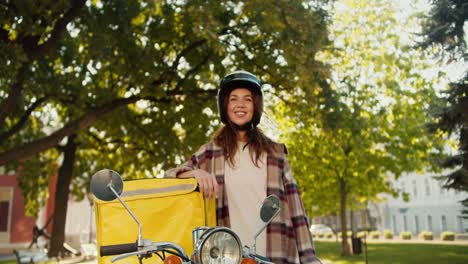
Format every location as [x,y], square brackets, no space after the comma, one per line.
[4,257]
[78,260]
[71,260]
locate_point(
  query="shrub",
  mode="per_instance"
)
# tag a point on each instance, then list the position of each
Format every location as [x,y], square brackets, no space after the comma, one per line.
[406,235]
[447,236]
[329,235]
[362,234]
[320,234]
[375,234]
[348,233]
[388,234]
[426,235]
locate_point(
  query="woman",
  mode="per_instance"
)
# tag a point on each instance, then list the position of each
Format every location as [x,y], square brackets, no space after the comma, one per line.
[241,166]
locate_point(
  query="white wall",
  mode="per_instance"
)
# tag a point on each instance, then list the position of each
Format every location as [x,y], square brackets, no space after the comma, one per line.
[80,222]
[430,207]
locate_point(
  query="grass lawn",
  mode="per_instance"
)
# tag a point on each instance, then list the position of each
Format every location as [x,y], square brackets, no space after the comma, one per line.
[379,253]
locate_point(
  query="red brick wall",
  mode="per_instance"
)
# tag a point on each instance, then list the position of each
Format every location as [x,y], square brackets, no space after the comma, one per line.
[21,225]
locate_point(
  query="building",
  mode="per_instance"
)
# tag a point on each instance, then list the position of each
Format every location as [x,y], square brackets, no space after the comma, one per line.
[16,229]
[430,207]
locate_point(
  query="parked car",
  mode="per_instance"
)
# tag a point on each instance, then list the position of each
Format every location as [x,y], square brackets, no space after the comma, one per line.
[320,229]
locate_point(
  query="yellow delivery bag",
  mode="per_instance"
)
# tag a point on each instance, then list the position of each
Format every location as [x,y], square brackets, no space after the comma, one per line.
[168,209]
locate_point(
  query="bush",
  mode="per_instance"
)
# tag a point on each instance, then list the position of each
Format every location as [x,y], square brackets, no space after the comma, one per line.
[348,233]
[426,235]
[320,234]
[362,234]
[406,235]
[375,234]
[329,235]
[388,234]
[447,236]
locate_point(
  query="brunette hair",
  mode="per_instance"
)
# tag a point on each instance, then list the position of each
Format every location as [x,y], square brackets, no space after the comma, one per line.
[258,143]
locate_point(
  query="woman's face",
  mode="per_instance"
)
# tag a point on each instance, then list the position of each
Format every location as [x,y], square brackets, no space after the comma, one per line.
[240,106]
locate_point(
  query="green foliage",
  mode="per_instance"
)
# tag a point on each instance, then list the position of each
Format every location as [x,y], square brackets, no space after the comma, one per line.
[362,234]
[375,234]
[388,234]
[406,235]
[444,31]
[34,180]
[447,236]
[444,26]
[366,123]
[348,234]
[426,235]
[136,80]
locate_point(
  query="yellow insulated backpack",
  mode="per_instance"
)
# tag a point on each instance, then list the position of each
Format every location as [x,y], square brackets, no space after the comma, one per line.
[168,209]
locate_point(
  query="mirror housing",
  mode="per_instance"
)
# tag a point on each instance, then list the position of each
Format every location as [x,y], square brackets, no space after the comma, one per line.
[270,208]
[101,183]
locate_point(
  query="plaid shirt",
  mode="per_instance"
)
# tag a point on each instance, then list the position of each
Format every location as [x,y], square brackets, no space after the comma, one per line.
[288,236]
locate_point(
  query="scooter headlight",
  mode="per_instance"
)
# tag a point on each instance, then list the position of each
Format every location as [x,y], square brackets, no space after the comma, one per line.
[218,245]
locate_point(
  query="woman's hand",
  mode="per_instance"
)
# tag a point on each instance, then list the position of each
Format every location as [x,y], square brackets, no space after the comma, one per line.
[206,182]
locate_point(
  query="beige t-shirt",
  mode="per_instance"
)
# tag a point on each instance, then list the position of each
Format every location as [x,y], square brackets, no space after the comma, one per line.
[246,189]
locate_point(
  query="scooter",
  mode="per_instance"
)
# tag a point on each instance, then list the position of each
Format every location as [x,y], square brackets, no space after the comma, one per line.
[219,245]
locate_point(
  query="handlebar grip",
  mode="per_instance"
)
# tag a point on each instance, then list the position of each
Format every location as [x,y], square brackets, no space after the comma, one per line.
[117,249]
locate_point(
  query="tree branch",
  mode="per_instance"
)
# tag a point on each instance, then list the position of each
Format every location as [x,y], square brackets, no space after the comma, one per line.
[17,127]
[186,50]
[4,35]
[191,72]
[32,148]
[35,50]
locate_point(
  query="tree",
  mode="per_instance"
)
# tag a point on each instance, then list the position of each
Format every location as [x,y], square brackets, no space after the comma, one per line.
[366,124]
[444,29]
[129,85]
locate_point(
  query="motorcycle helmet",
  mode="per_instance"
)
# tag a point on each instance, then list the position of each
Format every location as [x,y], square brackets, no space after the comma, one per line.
[240,79]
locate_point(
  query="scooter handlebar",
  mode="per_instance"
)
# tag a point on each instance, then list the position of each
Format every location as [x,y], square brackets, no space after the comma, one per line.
[261,259]
[117,249]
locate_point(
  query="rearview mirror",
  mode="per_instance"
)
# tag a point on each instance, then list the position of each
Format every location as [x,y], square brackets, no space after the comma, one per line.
[270,208]
[101,183]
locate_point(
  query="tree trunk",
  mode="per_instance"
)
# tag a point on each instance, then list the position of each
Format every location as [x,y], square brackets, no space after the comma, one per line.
[61,198]
[344,236]
[352,224]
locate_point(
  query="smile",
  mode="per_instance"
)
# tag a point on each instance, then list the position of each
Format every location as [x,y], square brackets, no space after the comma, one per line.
[240,114]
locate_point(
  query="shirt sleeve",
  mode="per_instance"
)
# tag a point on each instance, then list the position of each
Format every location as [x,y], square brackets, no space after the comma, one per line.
[302,234]
[187,166]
